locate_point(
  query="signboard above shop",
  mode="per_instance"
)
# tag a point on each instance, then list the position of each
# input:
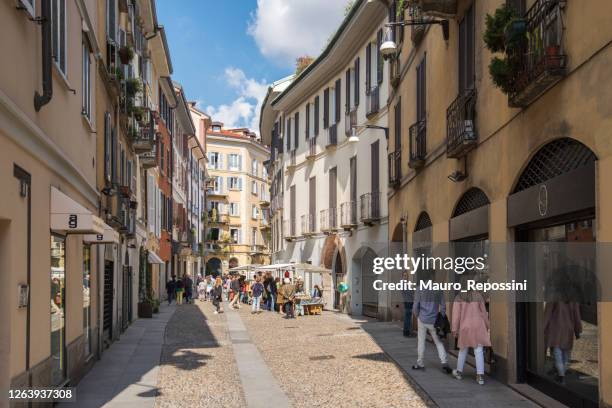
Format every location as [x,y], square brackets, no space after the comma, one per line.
[70,217]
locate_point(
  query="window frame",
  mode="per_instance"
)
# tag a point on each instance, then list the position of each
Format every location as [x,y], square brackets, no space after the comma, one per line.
[86,81]
[58,28]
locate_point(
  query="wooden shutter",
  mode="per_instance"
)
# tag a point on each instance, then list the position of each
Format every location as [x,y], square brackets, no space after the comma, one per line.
[466,51]
[338,96]
[288,135]
[114,155]
[326,108]
[333,181]
[353,169]
[357,63]
[374,161]
[379,60]
[307,121]
[312,198]
[296,119]
[421,90]
[292,210]
[368,72]
[316,116]
[347,91]
[398,125]
[107,147]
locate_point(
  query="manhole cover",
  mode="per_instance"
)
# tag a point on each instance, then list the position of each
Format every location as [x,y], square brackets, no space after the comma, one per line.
[324,357]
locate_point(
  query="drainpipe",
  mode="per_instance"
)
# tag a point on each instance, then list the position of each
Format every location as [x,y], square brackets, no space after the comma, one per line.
[45,98]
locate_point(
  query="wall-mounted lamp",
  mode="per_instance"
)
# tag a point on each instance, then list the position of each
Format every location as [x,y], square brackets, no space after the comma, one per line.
[388,48]
[353,138]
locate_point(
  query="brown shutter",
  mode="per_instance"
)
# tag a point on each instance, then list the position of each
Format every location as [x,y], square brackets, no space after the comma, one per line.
[312,200]
[353,181]
[316,116]
[421,90]
[347,91]
[368,71]
[357,63]
[292,210]
[338,97]
[398,125]
[296,119]
[375,175]
[307,121]
[379,60]
[326,108]
[288,135]
[333,177]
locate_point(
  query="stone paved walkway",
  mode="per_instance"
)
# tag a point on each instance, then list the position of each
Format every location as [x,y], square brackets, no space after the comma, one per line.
[127,374]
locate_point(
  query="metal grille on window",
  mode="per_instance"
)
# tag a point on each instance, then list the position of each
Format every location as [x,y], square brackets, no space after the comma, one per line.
[423,222]
[554,159]
[472,199]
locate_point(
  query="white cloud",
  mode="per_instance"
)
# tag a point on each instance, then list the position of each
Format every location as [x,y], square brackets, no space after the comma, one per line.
[244,110]
[287,29]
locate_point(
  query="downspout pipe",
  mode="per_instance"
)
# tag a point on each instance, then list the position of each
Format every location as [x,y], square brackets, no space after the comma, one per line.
[47,82]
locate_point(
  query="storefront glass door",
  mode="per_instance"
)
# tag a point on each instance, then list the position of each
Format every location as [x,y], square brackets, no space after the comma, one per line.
[58,309]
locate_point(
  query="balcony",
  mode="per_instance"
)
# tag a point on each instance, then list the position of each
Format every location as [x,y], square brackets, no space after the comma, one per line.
[395,168]
[289,231]
[212,192]
[329,221]
[542,62]
[332,136]
[369,208]
[264,224]
[312,148]
[143,137]
[350,121]
[418,144]
[148,160]
[373,102]
[461,134]
[264,200]
[292,161]
[348,215]
[308,225]
[257,249]
[215,217]
[277,203]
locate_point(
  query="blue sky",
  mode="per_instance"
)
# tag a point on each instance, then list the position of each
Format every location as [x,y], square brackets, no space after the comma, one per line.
[225,52]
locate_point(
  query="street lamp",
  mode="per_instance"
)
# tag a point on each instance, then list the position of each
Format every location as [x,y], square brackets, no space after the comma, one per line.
[354,138]
[388,48]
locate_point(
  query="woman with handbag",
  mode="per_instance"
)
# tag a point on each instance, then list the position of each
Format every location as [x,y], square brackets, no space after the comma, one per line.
[470,324]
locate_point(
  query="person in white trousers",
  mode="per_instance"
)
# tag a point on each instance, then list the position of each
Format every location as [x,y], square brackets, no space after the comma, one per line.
[427,305]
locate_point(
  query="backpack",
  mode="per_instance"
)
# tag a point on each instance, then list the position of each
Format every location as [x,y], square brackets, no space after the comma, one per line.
[442,325]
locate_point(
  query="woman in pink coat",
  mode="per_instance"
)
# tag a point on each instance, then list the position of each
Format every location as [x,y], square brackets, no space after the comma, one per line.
[470,324]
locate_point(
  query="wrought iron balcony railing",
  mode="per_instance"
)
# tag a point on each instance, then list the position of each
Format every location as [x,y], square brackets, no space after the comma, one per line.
[289,230]
[292,160]
[218,218]
[332,135]
[312,148]
[461,136]
[373,101]
[329,221]
[149,159]
[541,59]
[308,225]
[350,121]
[369,207]
[418,144]
[348,215]
[395,168]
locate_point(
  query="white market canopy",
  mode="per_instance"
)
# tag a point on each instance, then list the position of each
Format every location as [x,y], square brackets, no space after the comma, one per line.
[155,259]
[68,216]
[109,236]
[294,266]
[245,267]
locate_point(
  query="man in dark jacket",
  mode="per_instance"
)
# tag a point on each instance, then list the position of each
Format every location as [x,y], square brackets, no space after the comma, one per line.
[170,288]
[188,288]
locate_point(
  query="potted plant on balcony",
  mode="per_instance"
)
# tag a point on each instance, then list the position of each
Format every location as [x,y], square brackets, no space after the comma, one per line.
[126,53]
[553,59]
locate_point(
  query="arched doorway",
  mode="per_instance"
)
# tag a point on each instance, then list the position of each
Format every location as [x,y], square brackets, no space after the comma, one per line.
[339,275]
[553,204]
[363,280]
[214,267]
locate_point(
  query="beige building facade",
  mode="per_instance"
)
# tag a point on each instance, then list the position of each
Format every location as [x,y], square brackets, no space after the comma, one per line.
[237,200]
[481,168]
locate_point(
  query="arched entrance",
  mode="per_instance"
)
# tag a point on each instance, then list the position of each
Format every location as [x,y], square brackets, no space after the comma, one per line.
[553,204]
[214,267]
[363,280]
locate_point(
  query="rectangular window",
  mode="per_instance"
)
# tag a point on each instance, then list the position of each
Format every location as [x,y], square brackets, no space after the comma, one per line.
[326,108]
[375,168]
[235,235]
[234,162]
[288,134]
[254,212]
[254,187]
[349,78]
[296,119]
[111,21]
[466,52]
[337,99]
[316,116]
[86,83]
[234,209]
[58,36]
[107,147]
[235,183]
[58,309]
[307,121]
[254,168]
[356,81]
[421,90]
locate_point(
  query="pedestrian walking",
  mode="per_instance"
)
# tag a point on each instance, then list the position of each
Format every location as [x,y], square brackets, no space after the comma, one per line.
[470,325]
[257,290]
[202,290]
[188,288]
[235,287]
[209,288]
[171,289]
[217,295]
[427,305]
[287,291]
[180,289]
[408,296]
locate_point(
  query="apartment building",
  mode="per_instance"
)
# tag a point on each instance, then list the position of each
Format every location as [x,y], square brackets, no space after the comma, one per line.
[237,200]
[481,166]
[49,209]
[327,130]
[187,188]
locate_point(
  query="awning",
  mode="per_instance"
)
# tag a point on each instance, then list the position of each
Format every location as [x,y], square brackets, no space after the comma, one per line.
[274,267]
[68,216]
[109,236]
[155,259]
